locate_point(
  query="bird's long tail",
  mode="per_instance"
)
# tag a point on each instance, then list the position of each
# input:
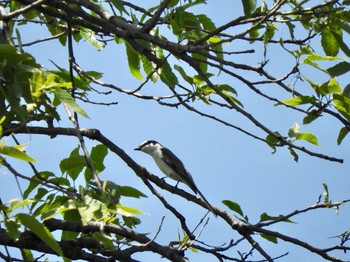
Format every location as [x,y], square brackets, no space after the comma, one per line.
[207,203]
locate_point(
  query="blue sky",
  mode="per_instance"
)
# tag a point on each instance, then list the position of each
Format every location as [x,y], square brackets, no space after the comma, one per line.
[224,163]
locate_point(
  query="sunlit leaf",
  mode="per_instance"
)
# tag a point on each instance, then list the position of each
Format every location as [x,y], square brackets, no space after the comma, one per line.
[329,43]
[309,137]
[133,61]
[13,229]
[15,204]
[89,35]
[150,68]
[15,152]
[90,211]
[299,100]
[330,87]
[342,104]
[66,98]
[127,211]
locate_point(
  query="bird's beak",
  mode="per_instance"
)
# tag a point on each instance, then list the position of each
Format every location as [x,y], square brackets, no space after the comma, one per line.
[137,148]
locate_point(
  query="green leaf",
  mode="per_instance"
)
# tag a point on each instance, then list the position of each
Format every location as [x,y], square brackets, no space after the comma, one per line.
[329,43]
[233,206]
[150,68]
[343,46]
[34,182]
[228,88]
[272,239]
[73,165]
[119,5]
[15,204]
[130,192]
[173,3]
[342,104]
[13,229]
[167,76]
[65,97]
[40,230]
[248,7]
[15,152]
[294,154]
[182,72]
[312,58]
[346,91]
[127,211]
[89,35]
[133,61]
[309,137]
[270,32]
[266,217]
[294,130]
[12,57]
[90,211]
[342,134]
[316,57]
[232,99]
[331,87]
[70,215]
[299,100]
[202,62]
[97,155]
[104,240]
[291,28]
[207,23]
[175,26]
[131,222]
[27,255]
[339,69]
[272,141]
[314,114]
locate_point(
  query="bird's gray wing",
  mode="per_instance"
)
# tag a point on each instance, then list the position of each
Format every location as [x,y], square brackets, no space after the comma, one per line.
[176,164]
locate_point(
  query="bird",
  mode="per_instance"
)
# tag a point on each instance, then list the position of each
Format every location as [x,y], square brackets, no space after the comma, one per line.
[171,166]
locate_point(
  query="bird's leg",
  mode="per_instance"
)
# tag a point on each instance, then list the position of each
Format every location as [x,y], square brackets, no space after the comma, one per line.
[177,183]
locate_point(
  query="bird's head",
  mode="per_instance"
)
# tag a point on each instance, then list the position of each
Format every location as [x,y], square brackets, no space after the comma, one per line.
[149,146]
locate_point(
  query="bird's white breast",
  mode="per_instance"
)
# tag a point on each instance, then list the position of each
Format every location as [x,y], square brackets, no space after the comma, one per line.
[169,172]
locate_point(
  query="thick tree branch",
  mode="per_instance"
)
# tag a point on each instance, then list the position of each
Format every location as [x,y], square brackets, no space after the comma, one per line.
[28,240]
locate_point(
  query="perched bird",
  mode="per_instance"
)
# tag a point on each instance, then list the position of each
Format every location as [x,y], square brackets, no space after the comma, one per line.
[171,166]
